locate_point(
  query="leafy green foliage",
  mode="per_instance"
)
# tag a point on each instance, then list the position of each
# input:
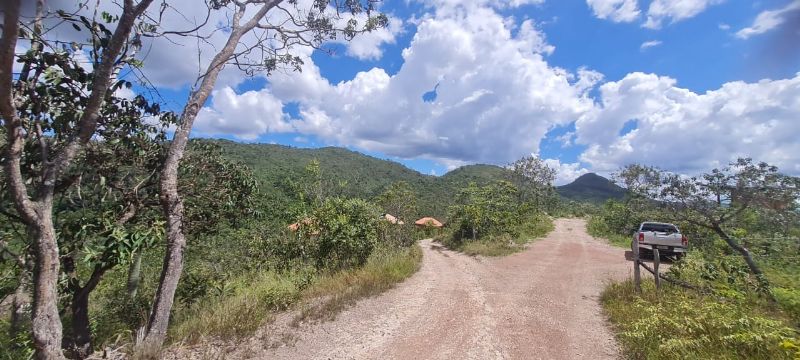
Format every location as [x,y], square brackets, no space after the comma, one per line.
[534,182]
[345,231]
[487,210]
[281,169]
[400,201]
[350,174]
[530,228]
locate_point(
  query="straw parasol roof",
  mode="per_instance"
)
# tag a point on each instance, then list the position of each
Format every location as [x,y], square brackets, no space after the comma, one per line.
[428,221]
[296,226]
[392,219]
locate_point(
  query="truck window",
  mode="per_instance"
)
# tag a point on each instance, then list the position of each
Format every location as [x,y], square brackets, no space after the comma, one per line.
[659,228]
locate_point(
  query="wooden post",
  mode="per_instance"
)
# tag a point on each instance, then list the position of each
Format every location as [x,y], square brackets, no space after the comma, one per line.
[637,277]
[657,261]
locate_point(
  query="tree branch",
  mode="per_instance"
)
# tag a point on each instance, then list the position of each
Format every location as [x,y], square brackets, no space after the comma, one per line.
[8,110]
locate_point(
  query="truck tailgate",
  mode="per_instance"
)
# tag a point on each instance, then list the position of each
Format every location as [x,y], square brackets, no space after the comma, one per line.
[660,238]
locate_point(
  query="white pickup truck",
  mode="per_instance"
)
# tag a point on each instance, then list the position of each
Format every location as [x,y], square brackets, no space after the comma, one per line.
[667,238]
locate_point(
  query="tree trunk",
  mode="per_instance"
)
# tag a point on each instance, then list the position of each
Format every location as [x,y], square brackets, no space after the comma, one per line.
[45,322]
[81,326]
[81,329]
[748,258]
[171,202]
[134,275]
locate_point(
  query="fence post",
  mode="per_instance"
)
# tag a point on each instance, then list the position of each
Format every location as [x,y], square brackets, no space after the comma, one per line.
[656,262]
[637,278]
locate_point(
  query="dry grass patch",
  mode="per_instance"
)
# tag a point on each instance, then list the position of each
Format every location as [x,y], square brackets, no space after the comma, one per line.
[334,292]
[258,297]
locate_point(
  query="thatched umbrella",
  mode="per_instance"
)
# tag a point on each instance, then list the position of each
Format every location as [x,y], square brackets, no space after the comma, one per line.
[428,222]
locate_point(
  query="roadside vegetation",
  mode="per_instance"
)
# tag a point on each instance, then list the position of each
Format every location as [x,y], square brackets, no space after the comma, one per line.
[502,244]
[254,299]
[742,224]
[500,218]
[112,216]
[244,266]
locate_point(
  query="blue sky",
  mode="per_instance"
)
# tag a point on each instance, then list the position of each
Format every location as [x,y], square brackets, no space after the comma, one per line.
[588,85]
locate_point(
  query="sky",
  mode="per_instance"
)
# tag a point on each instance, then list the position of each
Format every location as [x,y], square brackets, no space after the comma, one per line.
[589,86]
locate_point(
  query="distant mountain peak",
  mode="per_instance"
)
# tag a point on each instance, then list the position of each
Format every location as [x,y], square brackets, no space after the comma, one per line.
[591,187]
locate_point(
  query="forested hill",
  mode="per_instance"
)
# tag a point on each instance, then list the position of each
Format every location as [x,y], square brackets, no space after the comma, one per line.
[591,188]
[354,174]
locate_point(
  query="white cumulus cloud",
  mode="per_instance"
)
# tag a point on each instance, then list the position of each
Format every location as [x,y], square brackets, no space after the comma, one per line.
[483,112]
[683,131]
[675,10]
[244,115]
[768,20]
[615,10]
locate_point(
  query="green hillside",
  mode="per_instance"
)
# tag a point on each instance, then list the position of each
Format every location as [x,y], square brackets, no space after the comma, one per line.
[351,174]
[354,174]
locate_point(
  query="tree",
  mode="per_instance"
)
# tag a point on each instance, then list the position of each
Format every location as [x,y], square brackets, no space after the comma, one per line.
[104,209]
[27,124]
[289,28]
[717,200]
[534,181]
[400,201]
[60,137]
[486,210]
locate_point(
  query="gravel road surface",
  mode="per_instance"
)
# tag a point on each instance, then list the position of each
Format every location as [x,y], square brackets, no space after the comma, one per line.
[541,303]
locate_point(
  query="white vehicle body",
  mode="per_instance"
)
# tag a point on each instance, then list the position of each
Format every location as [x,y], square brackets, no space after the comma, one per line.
[667,238]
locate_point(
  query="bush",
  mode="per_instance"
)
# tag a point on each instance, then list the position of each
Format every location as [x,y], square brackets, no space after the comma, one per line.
[500,244]
[346,232]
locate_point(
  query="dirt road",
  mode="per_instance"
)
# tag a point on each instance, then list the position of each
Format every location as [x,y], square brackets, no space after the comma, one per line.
[538,304]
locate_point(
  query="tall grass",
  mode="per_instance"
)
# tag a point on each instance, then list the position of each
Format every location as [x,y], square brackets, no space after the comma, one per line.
[240,314]
[675,324]
[256,298]
[331,293]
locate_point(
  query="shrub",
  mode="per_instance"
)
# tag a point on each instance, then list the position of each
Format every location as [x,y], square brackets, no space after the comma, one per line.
[346,232]
[503,243]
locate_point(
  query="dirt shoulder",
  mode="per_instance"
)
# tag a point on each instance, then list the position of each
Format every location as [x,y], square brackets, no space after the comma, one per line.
[538,304]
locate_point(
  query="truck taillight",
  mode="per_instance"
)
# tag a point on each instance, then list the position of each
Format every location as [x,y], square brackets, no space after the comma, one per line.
[641,237]
[684,240]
